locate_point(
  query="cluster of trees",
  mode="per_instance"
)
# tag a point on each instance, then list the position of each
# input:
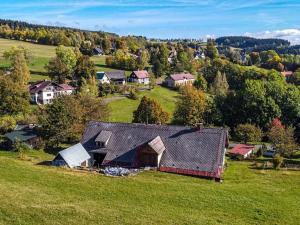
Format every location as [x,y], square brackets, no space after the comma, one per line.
[252,95]
[124,60]
[64,120]
[85,40]
[14,93]
[70,64]
[250,43]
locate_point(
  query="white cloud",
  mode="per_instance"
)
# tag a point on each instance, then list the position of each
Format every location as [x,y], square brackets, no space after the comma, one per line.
[292,35]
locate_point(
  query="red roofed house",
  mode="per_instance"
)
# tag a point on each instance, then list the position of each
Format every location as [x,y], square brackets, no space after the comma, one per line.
[140,76]
[287,74]
[43,92]
[242,150]
[179,79]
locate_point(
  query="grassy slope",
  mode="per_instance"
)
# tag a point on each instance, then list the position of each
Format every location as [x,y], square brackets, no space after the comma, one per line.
[32,194]
[121,110]
[40,56]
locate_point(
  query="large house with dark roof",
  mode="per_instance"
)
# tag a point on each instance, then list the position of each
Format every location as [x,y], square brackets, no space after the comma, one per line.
[140,77]
[112,77]
[176,149]
[179,79]
[43,92]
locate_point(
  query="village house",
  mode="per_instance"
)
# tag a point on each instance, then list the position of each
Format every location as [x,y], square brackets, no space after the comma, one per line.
[112,77]
[98,51]
[193,151]
[140,77]
[43,92]
[24,134]
[287,74]
[241,150]
[199,54]
[176,80]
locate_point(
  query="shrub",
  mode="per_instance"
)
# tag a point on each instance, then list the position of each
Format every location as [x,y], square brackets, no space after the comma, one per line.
[277,161]
[7,123]
[248,133]
[21,148]
[133,95]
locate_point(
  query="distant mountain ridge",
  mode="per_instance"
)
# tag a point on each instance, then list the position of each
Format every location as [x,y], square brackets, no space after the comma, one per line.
[250,44]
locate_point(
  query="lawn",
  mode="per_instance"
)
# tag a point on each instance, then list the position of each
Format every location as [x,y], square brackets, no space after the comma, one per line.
[122,110]
[34,194]
[101,65]
[40,55]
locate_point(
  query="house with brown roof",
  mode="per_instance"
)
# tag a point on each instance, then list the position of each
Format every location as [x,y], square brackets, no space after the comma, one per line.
[195,151]
[43,92]
[178,79]
[140,77]
[287,74]
[241,150]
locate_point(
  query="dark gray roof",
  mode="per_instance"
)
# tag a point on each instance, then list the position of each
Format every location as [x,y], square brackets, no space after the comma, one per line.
[116,75]
[187,148]
[21,135]
[103,136]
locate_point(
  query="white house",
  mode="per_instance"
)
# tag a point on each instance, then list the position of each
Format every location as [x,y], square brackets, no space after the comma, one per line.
[112,77]
[179,79]
[43,92]
[140,77]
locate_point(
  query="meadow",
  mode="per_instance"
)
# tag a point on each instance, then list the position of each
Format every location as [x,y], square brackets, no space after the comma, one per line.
[37,194]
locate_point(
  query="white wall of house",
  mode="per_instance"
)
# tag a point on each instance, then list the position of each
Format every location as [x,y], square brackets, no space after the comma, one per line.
[47,95]
[143,81]
[104,80]
[172,83]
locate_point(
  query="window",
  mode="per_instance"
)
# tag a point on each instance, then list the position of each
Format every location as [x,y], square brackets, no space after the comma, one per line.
[49,95]
[100,144]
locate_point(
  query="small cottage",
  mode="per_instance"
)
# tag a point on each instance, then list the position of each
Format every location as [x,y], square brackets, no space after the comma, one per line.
[287,74]
[176,80]
[74,156]
[98,51]
[25,135]
[113,77]
[140,77]
[241,151]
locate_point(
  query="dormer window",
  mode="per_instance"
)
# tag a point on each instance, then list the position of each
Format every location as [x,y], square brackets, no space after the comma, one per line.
[103,138]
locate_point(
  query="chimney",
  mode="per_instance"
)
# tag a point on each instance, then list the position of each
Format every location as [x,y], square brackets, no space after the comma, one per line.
[199,126]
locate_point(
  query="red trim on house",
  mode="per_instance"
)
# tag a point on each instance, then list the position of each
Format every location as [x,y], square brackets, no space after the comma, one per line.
[192,172]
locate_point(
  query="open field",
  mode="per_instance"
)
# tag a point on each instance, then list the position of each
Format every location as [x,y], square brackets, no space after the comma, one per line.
[121,110]
[40,56]
[34,194]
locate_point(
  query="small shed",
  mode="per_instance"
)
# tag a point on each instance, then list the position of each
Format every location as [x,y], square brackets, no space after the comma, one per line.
[241,150]
[74,156]
[24,135]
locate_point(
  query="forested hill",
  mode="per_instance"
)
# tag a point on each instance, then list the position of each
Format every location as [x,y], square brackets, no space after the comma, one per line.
[254,44]
[52,35]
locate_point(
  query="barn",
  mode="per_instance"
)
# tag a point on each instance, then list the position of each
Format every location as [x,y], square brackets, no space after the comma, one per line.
[196,151]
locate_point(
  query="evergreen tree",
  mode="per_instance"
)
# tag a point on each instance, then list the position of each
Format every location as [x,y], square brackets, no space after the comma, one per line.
[211,50]
[220,85]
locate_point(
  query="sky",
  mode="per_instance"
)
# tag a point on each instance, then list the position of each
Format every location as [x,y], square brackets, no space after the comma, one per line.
[165,18]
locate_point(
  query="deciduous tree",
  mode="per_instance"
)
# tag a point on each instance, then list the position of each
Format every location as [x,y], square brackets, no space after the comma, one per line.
[149,111]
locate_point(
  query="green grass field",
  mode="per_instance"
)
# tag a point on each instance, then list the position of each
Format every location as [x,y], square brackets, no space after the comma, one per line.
[40,56]
[122,110]
[35,194]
